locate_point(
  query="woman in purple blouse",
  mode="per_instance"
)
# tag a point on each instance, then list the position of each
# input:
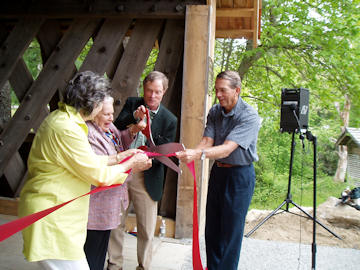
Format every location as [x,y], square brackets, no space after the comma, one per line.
[106,207]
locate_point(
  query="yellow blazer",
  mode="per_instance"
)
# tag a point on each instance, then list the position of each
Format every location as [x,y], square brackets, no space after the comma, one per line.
[61,166]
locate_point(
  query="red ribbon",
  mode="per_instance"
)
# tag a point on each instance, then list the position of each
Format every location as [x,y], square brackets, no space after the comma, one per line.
[197,264]
[147,130]
[10,228]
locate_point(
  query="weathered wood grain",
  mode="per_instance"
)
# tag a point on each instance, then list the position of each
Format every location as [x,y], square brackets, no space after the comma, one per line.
[55,72]
[195,89]
[106,44]
[13,47]
[132,63]
[170,54]
[97,9]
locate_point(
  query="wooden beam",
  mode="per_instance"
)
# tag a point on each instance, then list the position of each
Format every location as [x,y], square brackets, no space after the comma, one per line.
[255,23]
[48,37]
[227,3]
[9,206]
[15,171]
[213,12]
[234,12]
[235,33]
[133,61]
[170,54]
[21,184]
[21,81]
[55,72]
[4,32]
[96,8]
[106,43]
[111,69]
[14,47]
[195,89]
[208,103]
[171,51]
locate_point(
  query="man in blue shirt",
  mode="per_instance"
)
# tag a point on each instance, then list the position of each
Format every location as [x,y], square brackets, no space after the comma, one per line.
[230,138]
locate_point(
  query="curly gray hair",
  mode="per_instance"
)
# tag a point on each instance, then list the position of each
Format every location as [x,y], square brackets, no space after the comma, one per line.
[86,91]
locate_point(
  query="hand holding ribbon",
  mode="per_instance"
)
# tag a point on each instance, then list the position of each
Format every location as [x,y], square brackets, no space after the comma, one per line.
[162,153]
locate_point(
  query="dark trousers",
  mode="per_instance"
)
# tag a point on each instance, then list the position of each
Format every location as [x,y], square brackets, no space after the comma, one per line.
[229,195]
[95,248]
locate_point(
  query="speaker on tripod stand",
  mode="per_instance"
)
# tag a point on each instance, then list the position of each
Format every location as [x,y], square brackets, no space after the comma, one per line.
[294,101]
[294,119]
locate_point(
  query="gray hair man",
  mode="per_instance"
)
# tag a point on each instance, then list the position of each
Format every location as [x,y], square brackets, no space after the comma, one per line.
[230,138]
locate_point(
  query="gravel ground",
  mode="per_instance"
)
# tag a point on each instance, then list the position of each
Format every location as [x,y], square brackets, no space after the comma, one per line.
[262,254]
[175,254]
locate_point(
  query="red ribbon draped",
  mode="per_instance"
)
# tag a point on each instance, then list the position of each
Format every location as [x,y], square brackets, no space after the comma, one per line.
[10,228]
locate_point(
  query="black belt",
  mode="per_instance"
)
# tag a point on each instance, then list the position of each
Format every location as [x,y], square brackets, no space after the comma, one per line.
[225,165]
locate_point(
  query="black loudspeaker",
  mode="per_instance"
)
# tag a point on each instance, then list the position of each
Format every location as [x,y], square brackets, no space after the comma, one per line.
[294,100]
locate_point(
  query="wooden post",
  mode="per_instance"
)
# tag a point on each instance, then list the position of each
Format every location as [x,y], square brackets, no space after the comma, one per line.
[255,23]
[193,112]
[210,67]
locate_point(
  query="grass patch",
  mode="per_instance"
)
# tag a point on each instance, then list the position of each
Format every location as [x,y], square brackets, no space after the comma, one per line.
[271,195]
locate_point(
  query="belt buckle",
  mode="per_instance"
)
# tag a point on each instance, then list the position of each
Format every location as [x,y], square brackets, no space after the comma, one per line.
[223,165]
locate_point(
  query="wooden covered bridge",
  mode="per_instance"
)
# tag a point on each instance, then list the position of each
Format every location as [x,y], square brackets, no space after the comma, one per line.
[123,34]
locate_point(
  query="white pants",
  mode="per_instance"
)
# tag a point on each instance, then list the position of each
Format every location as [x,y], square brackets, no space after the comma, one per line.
[64,264]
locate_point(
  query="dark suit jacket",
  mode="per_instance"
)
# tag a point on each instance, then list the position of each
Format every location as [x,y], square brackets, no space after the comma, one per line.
[163,129]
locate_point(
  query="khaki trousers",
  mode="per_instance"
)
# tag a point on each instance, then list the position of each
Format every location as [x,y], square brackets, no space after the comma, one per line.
[146,212]
[115,247]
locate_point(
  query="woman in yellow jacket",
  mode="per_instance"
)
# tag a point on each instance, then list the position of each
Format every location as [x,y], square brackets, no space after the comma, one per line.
[62,166]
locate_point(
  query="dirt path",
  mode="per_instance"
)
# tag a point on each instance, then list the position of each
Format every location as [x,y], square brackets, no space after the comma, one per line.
[342,220]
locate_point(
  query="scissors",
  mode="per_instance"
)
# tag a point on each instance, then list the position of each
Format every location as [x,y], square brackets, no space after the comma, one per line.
[164,149]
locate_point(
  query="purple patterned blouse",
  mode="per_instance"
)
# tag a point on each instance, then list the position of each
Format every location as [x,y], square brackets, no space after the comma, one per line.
[105,206]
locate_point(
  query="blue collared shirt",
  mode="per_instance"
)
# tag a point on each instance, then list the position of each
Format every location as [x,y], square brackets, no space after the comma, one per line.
[241,125]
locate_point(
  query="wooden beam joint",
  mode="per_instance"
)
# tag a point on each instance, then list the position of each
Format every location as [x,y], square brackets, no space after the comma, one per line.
[98,8]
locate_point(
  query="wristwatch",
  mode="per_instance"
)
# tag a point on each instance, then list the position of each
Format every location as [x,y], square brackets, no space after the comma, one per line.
[203,154]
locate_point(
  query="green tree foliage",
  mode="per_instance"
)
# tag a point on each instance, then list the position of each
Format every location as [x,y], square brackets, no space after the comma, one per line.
[312,44]
[32,58]
[150,64]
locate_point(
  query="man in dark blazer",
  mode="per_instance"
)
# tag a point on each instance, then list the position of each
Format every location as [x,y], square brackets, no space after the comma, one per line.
[146,188]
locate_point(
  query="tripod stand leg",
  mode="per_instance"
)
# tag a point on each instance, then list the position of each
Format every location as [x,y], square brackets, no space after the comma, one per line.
[318,222]
[265,219]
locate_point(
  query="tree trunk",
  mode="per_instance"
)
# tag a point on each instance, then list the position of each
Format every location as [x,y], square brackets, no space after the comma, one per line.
[248,61]
[340,173]
[223,43]
[5,105]
[342,164]
[229,50]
